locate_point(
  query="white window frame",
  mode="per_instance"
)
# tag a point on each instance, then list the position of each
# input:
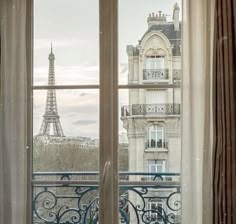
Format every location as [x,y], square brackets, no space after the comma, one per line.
[155,62]
[108,148]
[153,130]
[155,163]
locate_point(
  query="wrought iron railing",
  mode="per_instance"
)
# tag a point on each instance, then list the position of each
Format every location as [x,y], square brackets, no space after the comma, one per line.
[155,74]
[152,144]
[66,198]
[150,109]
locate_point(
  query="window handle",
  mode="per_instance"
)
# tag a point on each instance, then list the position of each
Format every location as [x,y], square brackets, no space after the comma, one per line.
[105,171]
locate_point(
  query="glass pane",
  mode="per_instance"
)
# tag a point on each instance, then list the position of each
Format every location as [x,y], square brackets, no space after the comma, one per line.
[72,28]
[154,128]
[66,134]
[136,48]
[149,53]
[65,148]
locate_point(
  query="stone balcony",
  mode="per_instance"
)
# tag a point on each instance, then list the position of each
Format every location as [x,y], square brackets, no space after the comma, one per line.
[72,197]
[150,109]
[152,75]
[156,145]
[155,74]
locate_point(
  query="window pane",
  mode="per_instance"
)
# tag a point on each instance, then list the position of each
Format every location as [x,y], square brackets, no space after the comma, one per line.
[72,28]
[138,52]
[149,53]
[77,118]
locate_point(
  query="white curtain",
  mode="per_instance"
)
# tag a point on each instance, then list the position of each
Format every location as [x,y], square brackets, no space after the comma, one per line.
[196,112]
[13,97]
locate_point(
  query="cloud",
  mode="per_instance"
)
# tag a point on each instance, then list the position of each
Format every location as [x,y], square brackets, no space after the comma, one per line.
[85,122]
[82,110]
[68,75]
[45,43]
[123,68]
[72,114]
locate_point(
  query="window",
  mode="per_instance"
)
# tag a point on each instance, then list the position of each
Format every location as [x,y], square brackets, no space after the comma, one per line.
[155,68]
[155,62]
[156,136]
[156,166]
[156,97]
[157,33]
[156,211]
[82,175]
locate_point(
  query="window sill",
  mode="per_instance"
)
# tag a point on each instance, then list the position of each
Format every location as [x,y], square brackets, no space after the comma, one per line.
[156,150]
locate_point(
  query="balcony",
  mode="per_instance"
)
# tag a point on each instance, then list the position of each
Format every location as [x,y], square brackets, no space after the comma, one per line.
[155,74]
[156,145]
[150,109]
[72,197]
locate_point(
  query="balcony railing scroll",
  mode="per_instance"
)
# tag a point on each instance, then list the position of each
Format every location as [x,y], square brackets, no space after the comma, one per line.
[150,109]
[66,198]
[155,74]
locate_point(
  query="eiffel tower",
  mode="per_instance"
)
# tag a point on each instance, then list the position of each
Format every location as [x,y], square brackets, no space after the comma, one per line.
[51,120]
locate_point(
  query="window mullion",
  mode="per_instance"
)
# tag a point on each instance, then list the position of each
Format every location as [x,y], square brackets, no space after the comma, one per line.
[108,182]
[29,120]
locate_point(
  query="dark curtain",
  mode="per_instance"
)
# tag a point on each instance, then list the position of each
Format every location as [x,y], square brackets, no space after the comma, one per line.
[224,110]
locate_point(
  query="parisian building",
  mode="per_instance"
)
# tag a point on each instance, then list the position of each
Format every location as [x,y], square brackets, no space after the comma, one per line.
[152,118]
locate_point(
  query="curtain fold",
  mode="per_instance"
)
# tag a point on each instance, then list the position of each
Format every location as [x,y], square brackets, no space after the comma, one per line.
[224,179]
[197,141]
[13,112]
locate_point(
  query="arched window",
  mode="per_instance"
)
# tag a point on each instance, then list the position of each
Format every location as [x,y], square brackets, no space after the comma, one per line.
[155,136]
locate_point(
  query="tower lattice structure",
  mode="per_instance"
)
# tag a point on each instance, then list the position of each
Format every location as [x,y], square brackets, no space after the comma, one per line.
[51,120]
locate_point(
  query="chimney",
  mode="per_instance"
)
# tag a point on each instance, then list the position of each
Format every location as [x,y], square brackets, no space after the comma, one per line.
[156,19]
[176,16]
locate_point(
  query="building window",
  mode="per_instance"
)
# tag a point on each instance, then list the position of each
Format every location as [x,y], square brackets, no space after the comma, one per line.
[156,166]
[155,137]
[155,62]
[156,211]
[89,89]
[157,97]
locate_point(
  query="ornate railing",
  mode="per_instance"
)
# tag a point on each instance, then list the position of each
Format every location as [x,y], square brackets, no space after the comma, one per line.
[66,198]
[155,74]
[150,109]
[153,144]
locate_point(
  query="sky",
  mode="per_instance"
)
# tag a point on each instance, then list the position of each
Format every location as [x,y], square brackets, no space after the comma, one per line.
[72,26]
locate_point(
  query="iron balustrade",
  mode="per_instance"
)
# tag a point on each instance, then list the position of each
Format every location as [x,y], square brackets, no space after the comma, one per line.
[156,144]
[67,198]
[155,74]
[150,109]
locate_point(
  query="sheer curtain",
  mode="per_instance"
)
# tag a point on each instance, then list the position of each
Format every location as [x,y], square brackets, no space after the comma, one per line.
[196,112]
[13,112]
